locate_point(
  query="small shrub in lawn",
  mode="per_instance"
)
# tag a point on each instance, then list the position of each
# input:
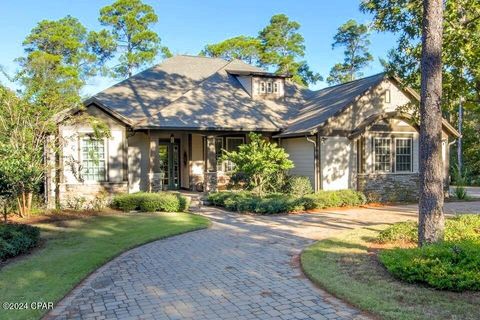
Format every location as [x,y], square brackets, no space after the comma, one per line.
[446,265]
[151,202]
[298,186]
[16,239]
[461,227]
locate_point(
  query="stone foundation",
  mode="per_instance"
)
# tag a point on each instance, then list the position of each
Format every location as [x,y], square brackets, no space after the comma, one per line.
[392,187]
[87,194]
[211,181]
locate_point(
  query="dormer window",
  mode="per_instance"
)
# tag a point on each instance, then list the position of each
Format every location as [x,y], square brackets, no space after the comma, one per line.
[269,87]
[262,87]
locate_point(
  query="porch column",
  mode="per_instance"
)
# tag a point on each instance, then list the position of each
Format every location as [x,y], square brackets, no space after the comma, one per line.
[210,181]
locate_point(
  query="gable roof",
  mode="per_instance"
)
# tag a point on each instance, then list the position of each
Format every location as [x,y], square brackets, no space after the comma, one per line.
[328,102]
[187,92]
[199,93]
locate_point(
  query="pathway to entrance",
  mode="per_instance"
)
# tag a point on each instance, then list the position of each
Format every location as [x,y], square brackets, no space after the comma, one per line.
[242,267]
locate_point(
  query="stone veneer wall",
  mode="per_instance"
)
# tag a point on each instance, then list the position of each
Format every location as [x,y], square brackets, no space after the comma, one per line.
[72,192]
[392,187]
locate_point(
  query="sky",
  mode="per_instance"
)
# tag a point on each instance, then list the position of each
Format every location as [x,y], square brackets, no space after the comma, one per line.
[186,26]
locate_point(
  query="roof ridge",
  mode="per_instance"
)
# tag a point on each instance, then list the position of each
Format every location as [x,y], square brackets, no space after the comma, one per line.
[355,80]
[185,92]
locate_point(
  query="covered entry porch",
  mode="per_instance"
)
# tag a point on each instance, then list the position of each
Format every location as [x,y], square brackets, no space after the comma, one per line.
[161,160]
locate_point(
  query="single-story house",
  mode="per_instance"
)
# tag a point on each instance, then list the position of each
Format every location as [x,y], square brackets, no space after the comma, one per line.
[170,123]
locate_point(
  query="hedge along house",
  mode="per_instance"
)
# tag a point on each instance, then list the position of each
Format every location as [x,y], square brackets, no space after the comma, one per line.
[170,123]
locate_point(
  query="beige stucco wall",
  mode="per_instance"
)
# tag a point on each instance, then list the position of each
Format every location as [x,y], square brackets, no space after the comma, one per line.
[373,102]
[338,163]
[301,152]
[138,157]
[197,161]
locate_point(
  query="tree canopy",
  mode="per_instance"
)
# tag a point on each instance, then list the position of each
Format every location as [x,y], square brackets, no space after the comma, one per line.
[354,38]
[129,23]
[279,45]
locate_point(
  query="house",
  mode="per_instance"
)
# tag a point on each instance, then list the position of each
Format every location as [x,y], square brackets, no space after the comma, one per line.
[170,123]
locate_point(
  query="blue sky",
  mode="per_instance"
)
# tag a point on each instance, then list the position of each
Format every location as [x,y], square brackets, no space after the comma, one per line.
[185,26]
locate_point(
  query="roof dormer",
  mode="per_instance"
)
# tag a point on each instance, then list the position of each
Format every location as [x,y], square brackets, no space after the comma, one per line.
[261,85]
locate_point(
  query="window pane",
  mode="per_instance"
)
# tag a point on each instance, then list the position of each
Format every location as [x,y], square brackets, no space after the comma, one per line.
[219,152]
[403,155]
[93,160]
[382,154]
[232,145]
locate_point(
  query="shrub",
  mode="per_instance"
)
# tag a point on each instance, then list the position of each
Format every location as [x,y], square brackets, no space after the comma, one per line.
[151,202]
[337,198]
[245,201]
[446,265]
[16,239]
[461,227]
[298,186]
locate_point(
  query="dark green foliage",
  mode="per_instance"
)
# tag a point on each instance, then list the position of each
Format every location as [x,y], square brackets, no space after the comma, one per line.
[298,186]
[151,202]
[16,239]
[462,227]
[245,201]
[445,265]
[337,198]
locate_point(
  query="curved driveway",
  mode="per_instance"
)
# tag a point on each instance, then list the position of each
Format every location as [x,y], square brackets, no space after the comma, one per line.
[242,267]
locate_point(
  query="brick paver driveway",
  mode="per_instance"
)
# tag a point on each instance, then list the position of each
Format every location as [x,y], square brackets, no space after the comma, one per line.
[243,267]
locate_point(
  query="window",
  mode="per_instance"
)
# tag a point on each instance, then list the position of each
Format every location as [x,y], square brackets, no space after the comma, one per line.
[262,87]
[232,145]
[275,87]
[269,87]
[93,159]
[381,150]
[387,96]
[403,154]
[219,152]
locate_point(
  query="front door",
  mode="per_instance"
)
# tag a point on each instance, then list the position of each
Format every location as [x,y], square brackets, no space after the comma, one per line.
[169,156]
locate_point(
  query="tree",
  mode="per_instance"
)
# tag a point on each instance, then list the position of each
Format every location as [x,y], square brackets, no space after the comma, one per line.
[354,37]
[130,22]
[258,160]
[431,219]
[282,44]
[242,47]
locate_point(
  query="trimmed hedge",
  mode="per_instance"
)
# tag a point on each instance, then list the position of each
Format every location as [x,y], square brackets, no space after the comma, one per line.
[461,227]
[445,265]
[244,201]
[151,202]
[16,239]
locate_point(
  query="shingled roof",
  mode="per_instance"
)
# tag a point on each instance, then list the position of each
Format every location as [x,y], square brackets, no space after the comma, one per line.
[199,93]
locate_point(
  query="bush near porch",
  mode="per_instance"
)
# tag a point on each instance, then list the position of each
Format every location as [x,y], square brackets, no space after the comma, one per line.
[151,202]
[16,239]
[245,201]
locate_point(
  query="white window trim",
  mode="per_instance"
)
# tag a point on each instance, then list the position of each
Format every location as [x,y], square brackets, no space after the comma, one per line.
[262,87]
[269,87]
[411,154]
[275,87]
[80,157]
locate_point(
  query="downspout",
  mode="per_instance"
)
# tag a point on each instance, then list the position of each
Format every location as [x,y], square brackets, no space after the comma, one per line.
[315,161]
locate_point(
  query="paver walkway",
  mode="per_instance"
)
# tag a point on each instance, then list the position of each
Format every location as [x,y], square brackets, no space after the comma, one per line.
[243,267]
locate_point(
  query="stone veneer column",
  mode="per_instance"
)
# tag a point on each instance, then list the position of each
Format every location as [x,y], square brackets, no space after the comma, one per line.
[211,179]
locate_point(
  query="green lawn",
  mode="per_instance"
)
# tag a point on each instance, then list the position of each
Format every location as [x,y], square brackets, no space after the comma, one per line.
[74,248]
[347,266]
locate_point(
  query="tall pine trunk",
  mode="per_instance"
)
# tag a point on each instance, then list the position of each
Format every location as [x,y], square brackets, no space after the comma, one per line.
[431,219]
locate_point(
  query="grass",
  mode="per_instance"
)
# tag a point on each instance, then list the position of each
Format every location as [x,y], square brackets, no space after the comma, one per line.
[73,249]
[347,266]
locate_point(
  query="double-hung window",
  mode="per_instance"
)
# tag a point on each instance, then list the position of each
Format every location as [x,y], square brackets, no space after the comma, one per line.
[393,154]
[382,154]
[93,159]
[403,155]
[232,145]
